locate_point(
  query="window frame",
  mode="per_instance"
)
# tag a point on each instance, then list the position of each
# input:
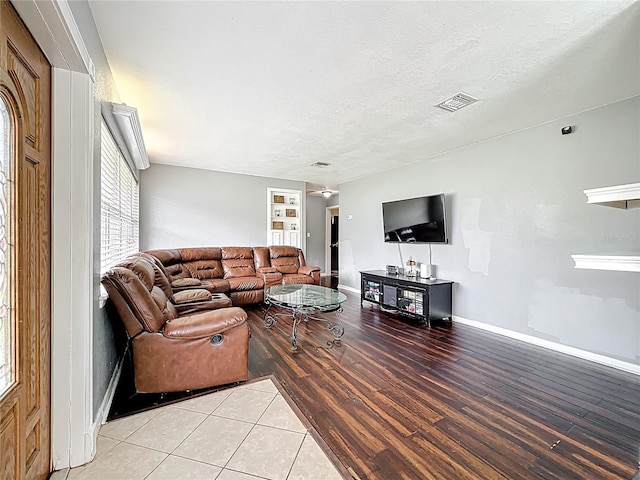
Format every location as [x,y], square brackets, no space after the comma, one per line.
[8,365]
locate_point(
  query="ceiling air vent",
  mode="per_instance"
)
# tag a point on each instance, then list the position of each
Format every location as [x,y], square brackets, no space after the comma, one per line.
[320,164]
[458,101]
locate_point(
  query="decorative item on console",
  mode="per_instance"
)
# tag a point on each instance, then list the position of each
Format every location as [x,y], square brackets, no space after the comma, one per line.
[425,270]
[411,263]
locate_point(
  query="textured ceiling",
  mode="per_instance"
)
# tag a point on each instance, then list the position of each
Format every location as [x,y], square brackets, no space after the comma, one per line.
[268,88]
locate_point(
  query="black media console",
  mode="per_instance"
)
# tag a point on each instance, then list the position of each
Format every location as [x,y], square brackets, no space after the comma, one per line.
[416,297]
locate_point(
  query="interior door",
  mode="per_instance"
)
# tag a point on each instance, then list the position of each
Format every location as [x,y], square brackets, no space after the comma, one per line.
[25,205]
[335,237]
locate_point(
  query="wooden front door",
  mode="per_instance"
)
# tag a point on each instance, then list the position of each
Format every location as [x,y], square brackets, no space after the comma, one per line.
[25,221]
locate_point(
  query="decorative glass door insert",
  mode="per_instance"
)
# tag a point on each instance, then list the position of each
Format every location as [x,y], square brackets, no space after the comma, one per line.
[7,342]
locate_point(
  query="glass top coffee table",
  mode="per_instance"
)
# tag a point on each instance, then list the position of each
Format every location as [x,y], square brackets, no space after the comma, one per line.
[303,303]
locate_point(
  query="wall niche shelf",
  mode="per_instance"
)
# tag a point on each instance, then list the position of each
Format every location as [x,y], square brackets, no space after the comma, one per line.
[617,196]
[284,217]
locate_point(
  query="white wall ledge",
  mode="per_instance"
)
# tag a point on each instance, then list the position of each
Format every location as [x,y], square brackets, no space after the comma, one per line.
[618,196]
[623,262]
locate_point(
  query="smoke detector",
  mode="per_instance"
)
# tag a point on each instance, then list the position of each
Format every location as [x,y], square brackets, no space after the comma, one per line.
[458,101]
[320,164]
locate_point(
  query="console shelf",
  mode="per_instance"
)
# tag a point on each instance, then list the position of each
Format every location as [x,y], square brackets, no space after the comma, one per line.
[419,298]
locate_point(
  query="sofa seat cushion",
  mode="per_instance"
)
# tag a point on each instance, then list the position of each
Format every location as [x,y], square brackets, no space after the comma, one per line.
[204,324]
[295,278]
[215,285]
[247,297]
[238,284]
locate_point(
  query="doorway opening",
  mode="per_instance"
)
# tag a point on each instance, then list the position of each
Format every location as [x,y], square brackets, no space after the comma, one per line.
[332,256]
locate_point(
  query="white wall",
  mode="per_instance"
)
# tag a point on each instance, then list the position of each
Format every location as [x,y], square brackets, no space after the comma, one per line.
[190,207]
[516,212]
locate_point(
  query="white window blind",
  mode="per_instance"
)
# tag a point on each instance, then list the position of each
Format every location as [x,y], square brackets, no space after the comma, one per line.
[119,205]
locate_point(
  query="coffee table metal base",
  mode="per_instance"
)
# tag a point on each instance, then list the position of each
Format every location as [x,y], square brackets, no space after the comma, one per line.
[300,314]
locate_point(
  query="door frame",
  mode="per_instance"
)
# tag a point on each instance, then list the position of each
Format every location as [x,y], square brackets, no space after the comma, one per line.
[74,284]
[327,239]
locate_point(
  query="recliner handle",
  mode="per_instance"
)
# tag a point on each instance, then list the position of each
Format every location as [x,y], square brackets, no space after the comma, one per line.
[217,339]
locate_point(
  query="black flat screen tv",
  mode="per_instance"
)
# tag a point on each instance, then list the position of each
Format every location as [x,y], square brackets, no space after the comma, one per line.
[415,220]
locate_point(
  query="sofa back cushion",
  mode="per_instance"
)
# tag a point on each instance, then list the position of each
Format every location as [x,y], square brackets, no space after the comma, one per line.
[200,253]
[161,278]
[166,256]
[172,263]
[131,287]
[160,293]
[202,263]
[238,262]
[205,269]
[285,259]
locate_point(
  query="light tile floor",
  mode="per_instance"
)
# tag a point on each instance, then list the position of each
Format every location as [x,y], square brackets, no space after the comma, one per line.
[244,433]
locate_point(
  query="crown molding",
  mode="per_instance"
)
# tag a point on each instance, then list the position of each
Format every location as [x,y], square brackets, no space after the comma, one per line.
[126,118]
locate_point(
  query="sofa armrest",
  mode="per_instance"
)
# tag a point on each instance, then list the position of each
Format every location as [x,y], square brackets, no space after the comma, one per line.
[308,269]
[204,324]
[267,270]
[184,283]
[192,295]
[270,278]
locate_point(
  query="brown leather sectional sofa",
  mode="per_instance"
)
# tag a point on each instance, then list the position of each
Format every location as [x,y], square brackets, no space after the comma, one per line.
[243,273]
[176,306]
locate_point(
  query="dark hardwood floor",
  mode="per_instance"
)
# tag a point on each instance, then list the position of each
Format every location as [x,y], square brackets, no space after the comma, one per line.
[398,400]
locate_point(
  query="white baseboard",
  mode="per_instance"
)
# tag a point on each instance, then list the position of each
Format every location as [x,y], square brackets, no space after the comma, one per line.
[540,342]
[105,406]
[349,289]
[575,352]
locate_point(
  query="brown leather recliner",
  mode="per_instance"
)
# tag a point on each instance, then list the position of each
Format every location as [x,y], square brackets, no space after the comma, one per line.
[172,352]
[189,300]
